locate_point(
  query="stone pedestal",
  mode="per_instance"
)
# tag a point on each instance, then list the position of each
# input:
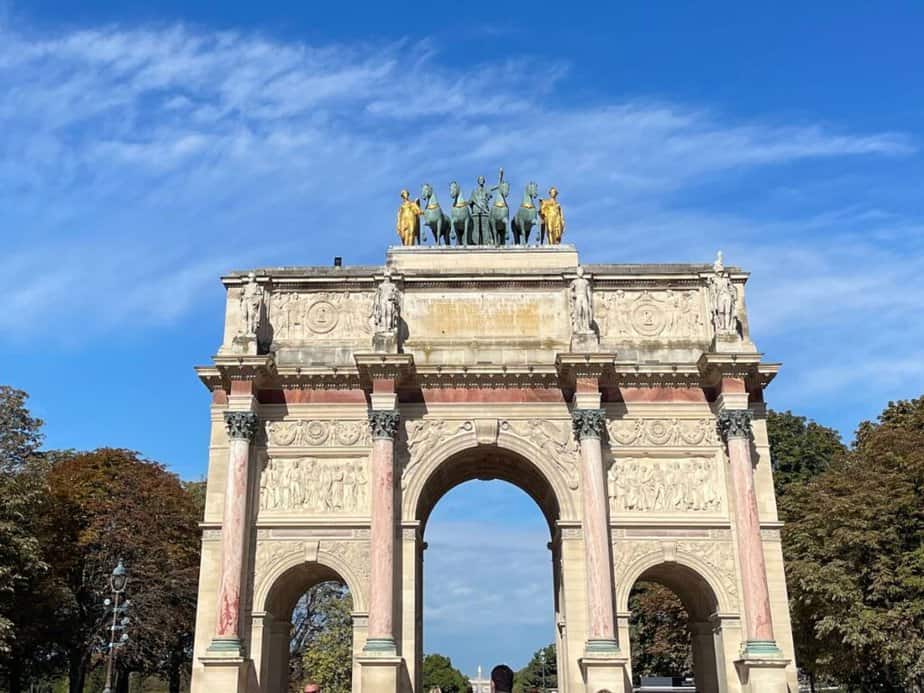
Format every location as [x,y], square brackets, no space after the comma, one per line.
[584,342]
[224,673]
[380,673]
[605,673]
[763,675]
[385,342]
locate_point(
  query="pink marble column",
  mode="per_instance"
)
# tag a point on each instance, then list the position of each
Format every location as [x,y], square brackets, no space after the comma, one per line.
[735,426]
[241,426]
[601,637]
[381,635]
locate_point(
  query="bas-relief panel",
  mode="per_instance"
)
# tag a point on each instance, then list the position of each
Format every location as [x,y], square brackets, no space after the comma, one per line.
[297,317]
[666,486]
[314,486]
[677,314]
[481,315]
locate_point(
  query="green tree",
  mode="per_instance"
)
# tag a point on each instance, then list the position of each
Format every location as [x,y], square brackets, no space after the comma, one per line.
[109,504]
[542,670]
[800,449]
[658,633]
[324,628]
[854,545]
[438,672]
[25,592]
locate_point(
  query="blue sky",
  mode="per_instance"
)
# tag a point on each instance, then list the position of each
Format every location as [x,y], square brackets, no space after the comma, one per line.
[145,148]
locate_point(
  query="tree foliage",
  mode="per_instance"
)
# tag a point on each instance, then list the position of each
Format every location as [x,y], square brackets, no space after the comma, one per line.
[658,632]
[542,670]
[438,672]
[800,449]
[323,634]
[854,545]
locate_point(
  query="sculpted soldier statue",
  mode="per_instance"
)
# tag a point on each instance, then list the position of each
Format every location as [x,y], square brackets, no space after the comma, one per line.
[386,307]
[480,200]
[724,298]
[553,218]
[582,310]
[251,305]
[408,224]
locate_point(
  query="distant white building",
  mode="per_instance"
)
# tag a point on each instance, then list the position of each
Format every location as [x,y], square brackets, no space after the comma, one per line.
[480,684]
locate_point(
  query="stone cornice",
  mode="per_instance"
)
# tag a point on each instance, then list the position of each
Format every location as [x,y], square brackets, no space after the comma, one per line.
[749,367]
[373,366]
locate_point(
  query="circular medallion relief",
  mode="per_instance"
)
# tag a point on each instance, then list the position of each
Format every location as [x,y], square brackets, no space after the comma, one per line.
[316,432]
[321,317]
[659,432]
[348,432]
[648,318]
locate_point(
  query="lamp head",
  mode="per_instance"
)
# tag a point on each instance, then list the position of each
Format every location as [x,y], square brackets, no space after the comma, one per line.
[119,578]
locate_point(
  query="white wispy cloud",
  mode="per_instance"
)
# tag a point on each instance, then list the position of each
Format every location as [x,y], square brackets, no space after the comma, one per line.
[139,162]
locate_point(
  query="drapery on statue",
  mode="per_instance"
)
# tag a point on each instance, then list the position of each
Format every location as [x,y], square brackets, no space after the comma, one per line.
[582,304]
[251,305]
[553,218]
[408,224]
[724,296]
[386,307]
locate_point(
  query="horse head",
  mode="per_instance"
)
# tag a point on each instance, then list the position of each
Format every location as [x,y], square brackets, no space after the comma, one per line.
[504,188]
[532,190]
[426,192]
[454,190]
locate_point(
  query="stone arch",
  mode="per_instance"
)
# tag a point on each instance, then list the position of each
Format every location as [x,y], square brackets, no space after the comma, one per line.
[697,583]
[492,450]
[307,567]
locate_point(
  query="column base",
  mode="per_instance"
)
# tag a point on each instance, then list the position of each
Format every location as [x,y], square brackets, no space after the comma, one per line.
[601,647]
[605,672]
[226,647]
[380,673]
[380,646]
[760,649]
[763,674]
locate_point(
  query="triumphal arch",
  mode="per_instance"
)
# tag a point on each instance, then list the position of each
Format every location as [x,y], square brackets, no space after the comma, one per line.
[626,400]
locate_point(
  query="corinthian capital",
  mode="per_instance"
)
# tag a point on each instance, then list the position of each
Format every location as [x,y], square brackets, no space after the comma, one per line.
[588,423]
[384,424]
[241,424]
[734,423]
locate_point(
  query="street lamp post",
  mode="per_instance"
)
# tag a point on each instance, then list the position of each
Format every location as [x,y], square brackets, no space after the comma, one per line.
[117,582]
[542,664]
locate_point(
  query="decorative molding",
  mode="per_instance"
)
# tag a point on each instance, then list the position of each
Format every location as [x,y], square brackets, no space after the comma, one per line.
[662,432]
[318,433]
[554,439]
[312,486]
[588,423]
[384,424]
[241,425]
[734,423]
[665,486]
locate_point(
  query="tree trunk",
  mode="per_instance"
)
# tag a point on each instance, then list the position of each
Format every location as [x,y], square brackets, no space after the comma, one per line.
[76,671]
[812,681]
[121,681]
[174,679]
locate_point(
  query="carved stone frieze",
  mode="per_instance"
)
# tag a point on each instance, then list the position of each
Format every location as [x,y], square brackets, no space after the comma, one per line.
[318,433]
[554,438]
[663,432]
[665,486]
[314,486]
[423,435]
[643,315]
[325,315]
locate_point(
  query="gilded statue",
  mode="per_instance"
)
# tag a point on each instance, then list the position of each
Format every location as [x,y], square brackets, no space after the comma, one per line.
[408,224]
[553,218]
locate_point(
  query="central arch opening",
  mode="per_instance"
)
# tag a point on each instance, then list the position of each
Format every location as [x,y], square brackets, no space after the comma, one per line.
[490,584]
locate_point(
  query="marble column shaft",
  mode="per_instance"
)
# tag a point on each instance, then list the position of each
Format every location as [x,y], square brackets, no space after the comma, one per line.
[588,425]
[735,426]
[241,427]
[381,635]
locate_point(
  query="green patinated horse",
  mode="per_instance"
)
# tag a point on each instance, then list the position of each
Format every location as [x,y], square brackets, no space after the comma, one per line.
[461,216]
[499,219]
[434,217]
[527,215]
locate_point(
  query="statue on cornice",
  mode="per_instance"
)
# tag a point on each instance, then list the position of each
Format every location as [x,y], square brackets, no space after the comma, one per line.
[408,222]
[553,219]
[251,305]
[724,296]
[582,311]
[386,307]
